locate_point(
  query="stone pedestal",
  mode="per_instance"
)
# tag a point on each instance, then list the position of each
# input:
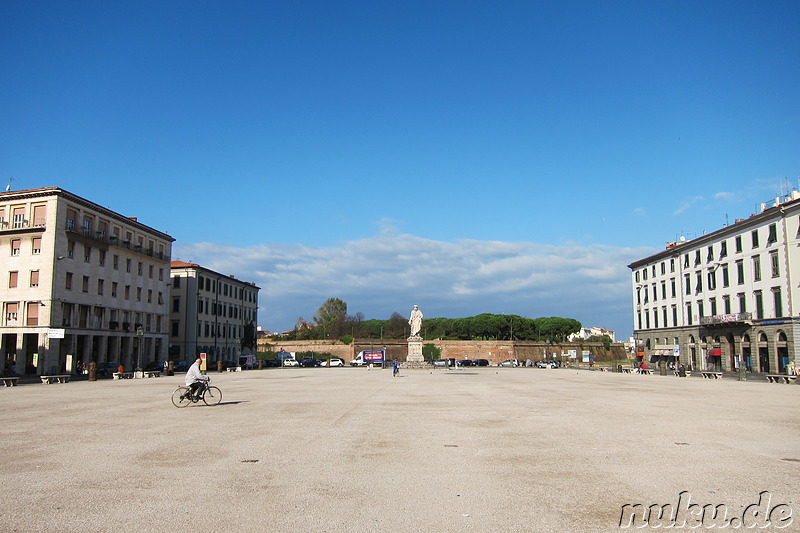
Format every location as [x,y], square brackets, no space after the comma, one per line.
[415,349]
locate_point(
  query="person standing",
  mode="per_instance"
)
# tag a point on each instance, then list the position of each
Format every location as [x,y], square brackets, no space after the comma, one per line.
[395,368]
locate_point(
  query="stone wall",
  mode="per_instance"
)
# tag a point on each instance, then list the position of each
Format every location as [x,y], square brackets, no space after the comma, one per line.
[494,351]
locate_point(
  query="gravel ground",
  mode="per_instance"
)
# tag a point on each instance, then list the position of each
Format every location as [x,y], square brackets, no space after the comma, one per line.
[356,450]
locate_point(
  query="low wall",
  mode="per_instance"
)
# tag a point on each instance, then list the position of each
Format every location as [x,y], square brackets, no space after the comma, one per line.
[494,351]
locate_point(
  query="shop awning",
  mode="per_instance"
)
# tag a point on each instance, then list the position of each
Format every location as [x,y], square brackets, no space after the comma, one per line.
[715,352]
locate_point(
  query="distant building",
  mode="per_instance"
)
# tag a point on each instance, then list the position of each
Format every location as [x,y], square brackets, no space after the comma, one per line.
[724,299]
[80,283]
[210,313]
[588,333]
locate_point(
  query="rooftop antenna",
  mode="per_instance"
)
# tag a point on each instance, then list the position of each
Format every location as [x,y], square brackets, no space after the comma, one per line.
[8,187]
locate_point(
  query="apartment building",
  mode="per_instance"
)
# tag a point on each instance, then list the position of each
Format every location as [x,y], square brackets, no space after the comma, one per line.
[80,283]
[211,313]
[726,298]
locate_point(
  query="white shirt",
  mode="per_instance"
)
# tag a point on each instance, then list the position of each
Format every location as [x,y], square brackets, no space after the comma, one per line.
[194,374]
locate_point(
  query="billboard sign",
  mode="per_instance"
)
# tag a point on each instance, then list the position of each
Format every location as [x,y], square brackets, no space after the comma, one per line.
[374,356]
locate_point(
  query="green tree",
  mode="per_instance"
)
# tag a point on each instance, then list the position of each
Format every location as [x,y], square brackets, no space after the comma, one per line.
[431,351]
[330,317]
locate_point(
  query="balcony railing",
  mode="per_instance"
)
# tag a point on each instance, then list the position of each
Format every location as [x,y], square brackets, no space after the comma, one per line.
[725,319]
[114,240]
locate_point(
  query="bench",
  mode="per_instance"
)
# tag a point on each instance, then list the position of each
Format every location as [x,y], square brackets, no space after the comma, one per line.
[712,375]
[688,373]
[627,370]
[151,373]
[60,378]
[9,381]
[778,378]
[123,375]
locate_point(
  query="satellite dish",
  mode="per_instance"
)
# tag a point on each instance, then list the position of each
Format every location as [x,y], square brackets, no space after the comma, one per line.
[683,239]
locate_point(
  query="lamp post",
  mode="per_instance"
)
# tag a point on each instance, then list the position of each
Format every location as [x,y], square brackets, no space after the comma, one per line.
[140,336]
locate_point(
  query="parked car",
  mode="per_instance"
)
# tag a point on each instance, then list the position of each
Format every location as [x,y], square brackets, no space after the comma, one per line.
[153,366]
[466,362]
[290,362]
[180,366]
[509,362]
[481,362]
[106,369]
[440,362]
[333,361]
[310,362]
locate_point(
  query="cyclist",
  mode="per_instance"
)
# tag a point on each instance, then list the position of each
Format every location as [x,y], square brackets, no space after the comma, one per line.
[195,380]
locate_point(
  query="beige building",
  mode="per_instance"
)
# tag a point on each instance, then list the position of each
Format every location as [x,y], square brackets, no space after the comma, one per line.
[211,313]
[80,283]
[725,299]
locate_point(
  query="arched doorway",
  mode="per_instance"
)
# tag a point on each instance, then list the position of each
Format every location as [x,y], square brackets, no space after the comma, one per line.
[782,350]
[692,353]
[763,353]
[747,353]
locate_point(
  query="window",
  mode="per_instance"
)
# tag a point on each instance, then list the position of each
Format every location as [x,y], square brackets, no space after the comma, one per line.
[34,278]
[742,302]
[116,262]
[150,271]
[759,304]
[688,283]
[68,281]
[100,284]
[160,298]
[19,217]
[12,279]
[726,302]
[102,260]
[138,294]
[723,249]
[139,269]
[699,282]
[700,312]
[710,256]
[688,314]
[127,292]
[36,246]
[663,290]
[697,258]
[128,265]
[740,272]
[87,253]
[176,282]
[160,274]
[15,245]
[738,243]
[776,266]
[663,271]
[772,238]
[655,295]
[757,268]
[149,296]
[675,316]
[712,279]
[776,295]
[754,236]
[671,269]
[11,313]
[176,305]
[72,216]
[713,302]
[725,276]
[672,287]
[85,287]
[113,289]
[175,328]
[32,318]
[87,225]
[686,261]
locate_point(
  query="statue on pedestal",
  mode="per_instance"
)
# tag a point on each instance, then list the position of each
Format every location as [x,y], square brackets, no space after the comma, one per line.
[415,321]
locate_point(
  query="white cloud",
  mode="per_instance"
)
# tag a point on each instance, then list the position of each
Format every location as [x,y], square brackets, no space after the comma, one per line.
[391,272]
[688,203]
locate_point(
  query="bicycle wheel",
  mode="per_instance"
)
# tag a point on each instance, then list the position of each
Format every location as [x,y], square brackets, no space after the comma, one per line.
[180,398]
[212,395]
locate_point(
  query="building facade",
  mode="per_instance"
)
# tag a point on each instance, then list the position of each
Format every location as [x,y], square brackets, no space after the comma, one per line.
[724,299]
[80,283]
[211,313]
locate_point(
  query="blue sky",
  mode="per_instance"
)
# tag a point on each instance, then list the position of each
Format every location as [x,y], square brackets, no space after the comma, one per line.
[468,157]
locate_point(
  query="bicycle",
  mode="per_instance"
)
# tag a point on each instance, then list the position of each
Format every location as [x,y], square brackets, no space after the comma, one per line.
[183,397]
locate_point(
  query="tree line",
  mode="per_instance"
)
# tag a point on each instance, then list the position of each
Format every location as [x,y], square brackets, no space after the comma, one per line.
[333,322]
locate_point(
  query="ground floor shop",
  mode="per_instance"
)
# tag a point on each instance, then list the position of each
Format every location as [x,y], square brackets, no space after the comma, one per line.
[764,348]
[38,351]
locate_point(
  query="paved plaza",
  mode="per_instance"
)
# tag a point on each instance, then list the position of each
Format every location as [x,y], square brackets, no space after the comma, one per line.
[356,450]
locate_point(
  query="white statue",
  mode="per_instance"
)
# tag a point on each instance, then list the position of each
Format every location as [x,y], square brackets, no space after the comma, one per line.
[415,321]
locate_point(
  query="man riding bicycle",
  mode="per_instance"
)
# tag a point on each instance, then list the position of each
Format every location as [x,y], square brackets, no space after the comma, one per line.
[195,380]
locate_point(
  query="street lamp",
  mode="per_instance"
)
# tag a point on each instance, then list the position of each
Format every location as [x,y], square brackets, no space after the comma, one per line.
[140,335]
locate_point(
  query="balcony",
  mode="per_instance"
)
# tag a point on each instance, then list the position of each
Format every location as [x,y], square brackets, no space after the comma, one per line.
[22,226]
[717,320]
